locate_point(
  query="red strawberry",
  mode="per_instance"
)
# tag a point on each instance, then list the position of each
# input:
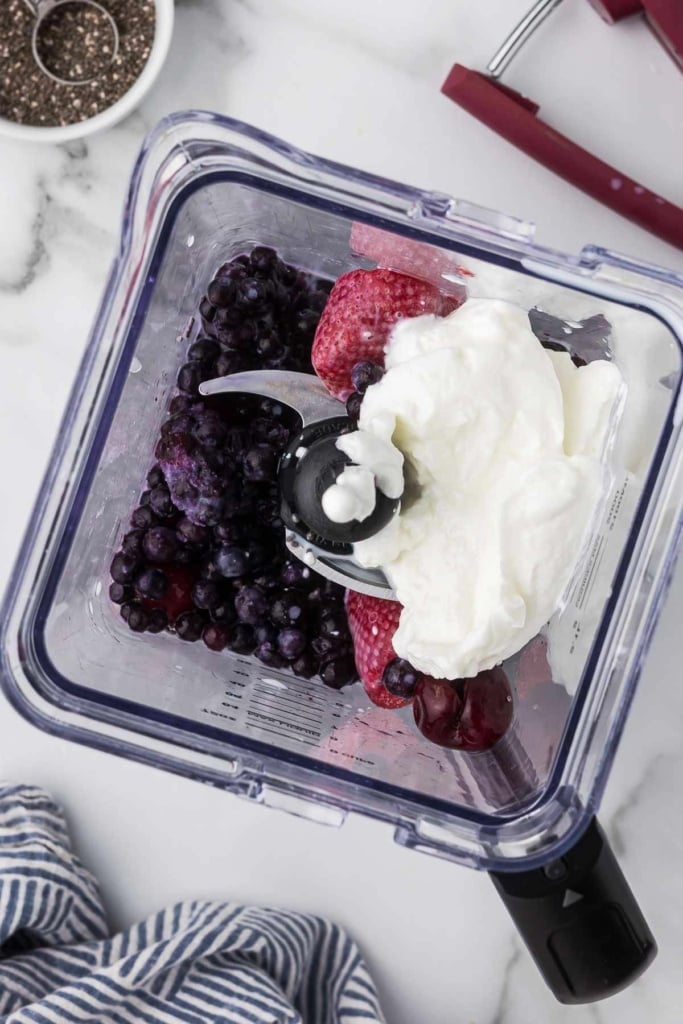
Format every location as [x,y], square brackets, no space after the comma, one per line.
[373,623]
[362,308]
[410,257]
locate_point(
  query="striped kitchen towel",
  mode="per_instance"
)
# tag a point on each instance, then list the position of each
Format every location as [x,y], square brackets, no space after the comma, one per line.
[194,963]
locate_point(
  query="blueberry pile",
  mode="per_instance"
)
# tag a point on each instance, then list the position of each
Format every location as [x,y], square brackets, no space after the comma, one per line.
[205,556]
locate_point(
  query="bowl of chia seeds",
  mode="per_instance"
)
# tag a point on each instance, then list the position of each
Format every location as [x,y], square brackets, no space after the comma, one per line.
[72,67]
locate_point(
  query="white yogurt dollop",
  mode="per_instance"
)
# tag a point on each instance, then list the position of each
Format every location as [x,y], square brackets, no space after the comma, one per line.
[504,444]
[351,497]
[378,463]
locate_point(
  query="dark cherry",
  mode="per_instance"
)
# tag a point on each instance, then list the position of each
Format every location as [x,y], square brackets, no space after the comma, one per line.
[468,714]
[215,637]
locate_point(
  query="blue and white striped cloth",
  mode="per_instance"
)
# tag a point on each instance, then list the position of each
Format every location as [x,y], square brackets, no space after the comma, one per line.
[196,963]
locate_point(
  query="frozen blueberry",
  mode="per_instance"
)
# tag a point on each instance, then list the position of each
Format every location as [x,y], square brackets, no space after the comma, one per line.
[132,542]
[155,477]
[289,609]
[230,362]
[295,574]
[265,633]
[353,404]
[189,378]
[251,605]
[254,294]
[204,350]
[180,403]
[138,618]
[400,678]
[207,311]
[190,625]
[123,568]
[143,518]
[264,260]
[306,665]
[160,544]
[291,643]
[269,345]
[231,561]
[221,293]
[228,532]
[223,613]
[192,533]
[334,624]
[119,593]
[241,639]
[160,501]
[206,594]
[152,583]
[270,656]
[365,374]
[210,429]
[327,647]
[339,672]
[158,621]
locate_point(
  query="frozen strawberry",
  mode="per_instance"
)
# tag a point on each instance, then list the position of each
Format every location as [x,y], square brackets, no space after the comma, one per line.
[178,596]
[373,623]
[396,252]
[358,317]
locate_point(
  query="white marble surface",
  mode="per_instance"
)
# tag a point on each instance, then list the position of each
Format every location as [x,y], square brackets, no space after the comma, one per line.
[357,82]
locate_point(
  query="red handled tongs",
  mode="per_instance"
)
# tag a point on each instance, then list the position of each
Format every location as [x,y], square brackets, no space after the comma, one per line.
[514,116]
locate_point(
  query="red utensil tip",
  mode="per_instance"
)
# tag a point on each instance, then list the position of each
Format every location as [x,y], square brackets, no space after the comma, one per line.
[666,21]
[613,11]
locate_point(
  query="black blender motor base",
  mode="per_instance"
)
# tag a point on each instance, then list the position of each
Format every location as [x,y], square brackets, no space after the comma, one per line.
[580,921]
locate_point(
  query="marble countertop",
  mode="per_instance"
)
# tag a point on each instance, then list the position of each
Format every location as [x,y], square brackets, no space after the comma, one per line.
[357,82]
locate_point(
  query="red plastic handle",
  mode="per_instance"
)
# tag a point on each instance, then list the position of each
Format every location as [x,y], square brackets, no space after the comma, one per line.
[616,10]
[512,116]
[666,20]
[664,16]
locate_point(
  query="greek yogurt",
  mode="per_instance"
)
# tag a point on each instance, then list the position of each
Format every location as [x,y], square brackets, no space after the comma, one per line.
[504,445]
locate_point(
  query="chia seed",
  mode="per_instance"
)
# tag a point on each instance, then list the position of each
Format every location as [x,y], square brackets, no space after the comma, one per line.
[74,43]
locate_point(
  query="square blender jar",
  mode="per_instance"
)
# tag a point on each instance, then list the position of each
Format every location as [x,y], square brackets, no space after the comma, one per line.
[204,189]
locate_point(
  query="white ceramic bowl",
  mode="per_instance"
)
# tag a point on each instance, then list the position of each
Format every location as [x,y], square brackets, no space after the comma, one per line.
[118,110]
